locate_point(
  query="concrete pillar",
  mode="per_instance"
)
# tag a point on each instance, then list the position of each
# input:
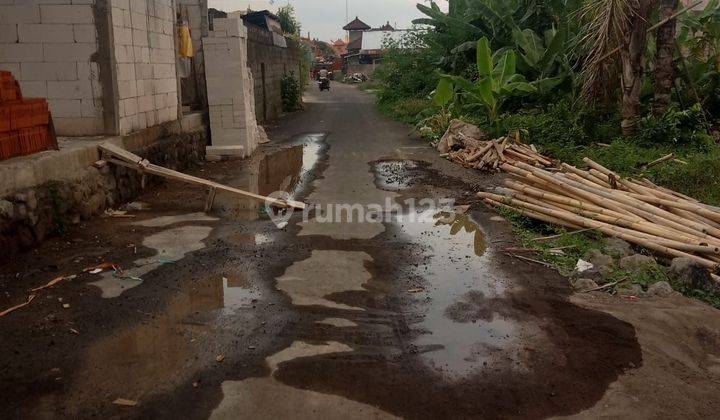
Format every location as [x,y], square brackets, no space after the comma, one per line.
[231,104]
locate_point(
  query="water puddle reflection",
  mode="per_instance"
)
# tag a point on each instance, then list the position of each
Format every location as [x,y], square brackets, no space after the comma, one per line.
[170,246]
[286,170]
[168,347]
[458,282]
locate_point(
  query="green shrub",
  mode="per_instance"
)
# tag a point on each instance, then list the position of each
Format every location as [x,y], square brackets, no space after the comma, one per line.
[562,130]
[676,127]
[291,92]
[408,70]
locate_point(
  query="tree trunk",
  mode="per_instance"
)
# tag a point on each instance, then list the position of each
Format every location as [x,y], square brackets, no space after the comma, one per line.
[664,58]
[633,69]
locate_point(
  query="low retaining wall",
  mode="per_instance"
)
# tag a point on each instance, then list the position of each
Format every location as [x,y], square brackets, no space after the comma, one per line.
[30,215]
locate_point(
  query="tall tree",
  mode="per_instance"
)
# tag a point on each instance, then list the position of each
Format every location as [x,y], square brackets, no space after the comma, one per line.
[632,54]
[664,58]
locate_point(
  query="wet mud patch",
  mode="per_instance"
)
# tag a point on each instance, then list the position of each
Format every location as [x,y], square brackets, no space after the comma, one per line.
[478,334]
[397,175]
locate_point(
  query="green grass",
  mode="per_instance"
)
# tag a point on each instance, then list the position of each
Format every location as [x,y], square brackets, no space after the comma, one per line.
[576,245]
[699,178]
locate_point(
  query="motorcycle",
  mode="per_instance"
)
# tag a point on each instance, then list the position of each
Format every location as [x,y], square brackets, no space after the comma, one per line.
[324,83]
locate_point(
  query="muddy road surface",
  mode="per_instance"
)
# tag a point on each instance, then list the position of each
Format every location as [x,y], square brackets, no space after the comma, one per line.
[398,305]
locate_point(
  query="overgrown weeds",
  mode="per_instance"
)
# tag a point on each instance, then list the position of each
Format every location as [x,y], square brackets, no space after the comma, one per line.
[291,92]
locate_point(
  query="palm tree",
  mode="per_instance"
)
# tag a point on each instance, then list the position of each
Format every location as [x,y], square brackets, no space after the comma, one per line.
[612,23]
[633,67]
[664,58]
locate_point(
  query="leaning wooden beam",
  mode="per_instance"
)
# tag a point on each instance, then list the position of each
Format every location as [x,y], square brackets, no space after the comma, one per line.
[134,161]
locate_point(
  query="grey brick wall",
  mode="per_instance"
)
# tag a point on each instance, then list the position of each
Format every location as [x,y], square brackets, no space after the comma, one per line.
[268,63]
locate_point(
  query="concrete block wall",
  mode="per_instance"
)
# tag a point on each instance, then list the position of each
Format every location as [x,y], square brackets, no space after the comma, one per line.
[230,87]
[144,48]
[269,63]
[50,46]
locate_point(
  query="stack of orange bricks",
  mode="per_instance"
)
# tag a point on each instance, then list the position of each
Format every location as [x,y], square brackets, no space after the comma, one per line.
[24,123]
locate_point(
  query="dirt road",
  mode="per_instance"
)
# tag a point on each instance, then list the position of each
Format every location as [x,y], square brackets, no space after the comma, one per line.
[407,312]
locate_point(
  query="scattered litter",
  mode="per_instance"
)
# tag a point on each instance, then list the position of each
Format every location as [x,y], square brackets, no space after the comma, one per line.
[53,282]
[196,384]
[219,358]
[416,290]
[16,307]
[125,402]
[166,261]
[583,266]
[66,306]
[251,347]
[100,267]
[74,331]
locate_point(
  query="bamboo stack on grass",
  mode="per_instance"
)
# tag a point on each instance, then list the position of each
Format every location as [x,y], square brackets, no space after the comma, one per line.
[636,210]
[490,155]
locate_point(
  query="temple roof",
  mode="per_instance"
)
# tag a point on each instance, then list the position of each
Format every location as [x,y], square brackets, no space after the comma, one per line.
[356,25]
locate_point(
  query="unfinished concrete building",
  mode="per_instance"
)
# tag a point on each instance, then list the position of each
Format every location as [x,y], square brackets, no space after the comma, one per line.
[112,70]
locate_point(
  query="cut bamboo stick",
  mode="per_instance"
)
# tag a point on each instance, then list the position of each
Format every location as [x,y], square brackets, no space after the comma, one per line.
[145,166]
[573,219]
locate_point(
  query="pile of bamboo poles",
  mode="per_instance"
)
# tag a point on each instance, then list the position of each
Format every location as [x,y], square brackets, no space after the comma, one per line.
[490,155]
[636,210]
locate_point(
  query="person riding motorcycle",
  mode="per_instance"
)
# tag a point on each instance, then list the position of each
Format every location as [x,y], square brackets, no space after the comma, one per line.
[323,79]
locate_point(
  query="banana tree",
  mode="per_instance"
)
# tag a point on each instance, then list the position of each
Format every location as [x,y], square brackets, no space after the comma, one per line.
[497,82]
[543,58]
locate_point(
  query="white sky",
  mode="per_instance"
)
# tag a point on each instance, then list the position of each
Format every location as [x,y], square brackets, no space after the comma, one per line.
[325,18]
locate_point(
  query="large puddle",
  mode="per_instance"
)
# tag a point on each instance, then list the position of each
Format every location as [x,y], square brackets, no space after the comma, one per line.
[459,332]
[287,170]
[166,345]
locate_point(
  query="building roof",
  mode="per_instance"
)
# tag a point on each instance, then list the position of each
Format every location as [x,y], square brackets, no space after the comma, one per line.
[259,16]
[264,19]
[385,27]
[356,25]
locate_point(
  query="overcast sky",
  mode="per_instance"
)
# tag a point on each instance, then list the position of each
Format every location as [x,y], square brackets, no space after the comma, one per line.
[325,18]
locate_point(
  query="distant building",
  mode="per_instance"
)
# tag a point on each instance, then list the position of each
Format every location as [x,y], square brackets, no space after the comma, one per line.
[364,51]
[355,34]
[385,27]
[339,46]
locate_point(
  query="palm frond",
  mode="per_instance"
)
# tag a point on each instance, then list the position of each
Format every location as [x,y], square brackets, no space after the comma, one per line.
[606,24]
